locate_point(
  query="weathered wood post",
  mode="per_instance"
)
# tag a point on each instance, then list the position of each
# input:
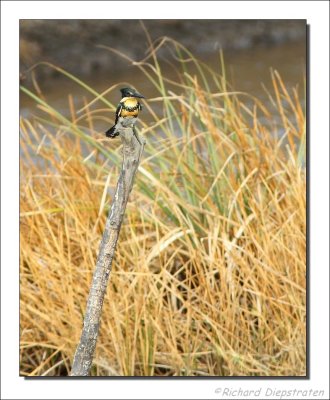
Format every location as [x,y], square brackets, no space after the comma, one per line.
[132,152]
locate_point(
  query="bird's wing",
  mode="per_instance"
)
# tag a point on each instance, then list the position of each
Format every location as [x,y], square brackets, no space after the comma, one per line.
[118,111]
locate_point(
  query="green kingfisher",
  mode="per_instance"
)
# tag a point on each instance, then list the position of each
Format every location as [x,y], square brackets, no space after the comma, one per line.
[129,106]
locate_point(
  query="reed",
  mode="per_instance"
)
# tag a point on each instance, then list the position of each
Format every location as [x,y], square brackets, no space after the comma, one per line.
[209,278]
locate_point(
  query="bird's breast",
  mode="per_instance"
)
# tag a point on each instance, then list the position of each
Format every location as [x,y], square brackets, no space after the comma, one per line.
[130,102]
[128,113]
[130,107]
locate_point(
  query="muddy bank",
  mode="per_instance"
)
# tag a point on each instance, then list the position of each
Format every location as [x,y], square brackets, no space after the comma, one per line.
[72,44]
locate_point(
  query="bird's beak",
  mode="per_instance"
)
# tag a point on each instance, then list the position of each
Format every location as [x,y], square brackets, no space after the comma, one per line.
[136,94]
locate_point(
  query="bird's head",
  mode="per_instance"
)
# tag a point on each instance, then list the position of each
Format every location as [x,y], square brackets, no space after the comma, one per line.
[128,92]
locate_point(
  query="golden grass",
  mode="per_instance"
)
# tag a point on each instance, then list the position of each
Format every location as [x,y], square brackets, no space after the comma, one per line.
[209,276]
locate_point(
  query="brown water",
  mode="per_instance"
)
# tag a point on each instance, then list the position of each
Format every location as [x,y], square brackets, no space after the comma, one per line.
[247,70]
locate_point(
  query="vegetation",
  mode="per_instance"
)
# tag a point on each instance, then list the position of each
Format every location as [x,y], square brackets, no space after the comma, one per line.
[209,276]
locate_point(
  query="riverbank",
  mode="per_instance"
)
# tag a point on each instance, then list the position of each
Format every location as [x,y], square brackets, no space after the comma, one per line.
[209,277]
[73,44]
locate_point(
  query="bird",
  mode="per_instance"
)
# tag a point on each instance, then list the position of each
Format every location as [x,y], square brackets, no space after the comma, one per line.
[129,106]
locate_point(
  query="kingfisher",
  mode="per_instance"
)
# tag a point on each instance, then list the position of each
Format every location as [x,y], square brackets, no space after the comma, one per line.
[129,106]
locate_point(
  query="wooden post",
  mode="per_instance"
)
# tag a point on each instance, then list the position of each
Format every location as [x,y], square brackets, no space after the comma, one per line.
[132,151]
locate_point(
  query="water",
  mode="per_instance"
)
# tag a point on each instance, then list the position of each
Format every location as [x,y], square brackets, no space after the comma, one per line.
[247,70]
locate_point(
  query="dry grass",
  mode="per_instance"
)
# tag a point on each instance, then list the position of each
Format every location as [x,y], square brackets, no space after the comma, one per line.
[209,276]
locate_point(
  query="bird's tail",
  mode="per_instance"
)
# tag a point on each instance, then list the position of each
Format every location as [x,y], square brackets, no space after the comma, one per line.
[111,133]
